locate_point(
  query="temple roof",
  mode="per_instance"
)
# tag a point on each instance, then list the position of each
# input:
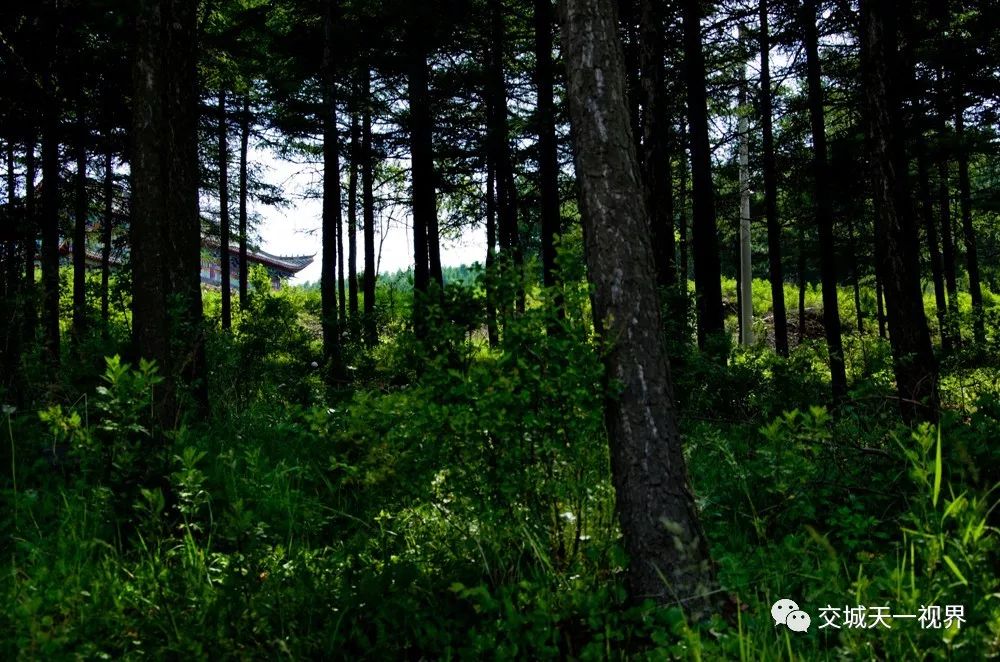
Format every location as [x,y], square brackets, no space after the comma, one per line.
[290,263]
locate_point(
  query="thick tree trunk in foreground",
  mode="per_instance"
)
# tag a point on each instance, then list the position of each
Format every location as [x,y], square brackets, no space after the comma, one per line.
[368,213]
[770,167]
[166,227]
[707,267]
[669,560]
[225,262]
[824,204]
[896,234]
[331,204]
[492,331]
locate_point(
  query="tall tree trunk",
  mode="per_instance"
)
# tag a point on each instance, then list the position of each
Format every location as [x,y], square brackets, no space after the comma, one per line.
[668,553]
[492,331]
[746,252]
[341,289]
[896,235]
[770,168]
[244,194]
[656,126]
[880,307]
[80,230]
[933,246]
[707,266]
[107,228]
[166,225]
[31,214]
[50,225]
[802,281]
[368,209]
[824,203]
[10,305]
[427,267]
[852,243]
[352,213]
[225,260]
[948,260]
[331,201]
[968,232]
[499,145]
[548,161]
[682,198]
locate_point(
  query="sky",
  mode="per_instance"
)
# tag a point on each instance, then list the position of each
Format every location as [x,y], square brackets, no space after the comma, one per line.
[294,230]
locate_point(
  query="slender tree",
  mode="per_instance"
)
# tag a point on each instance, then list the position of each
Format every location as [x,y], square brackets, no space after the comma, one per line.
[968,232]
[244,194]
[770,168]
[426,245]
[331,200]
[50,223]
[107,229]
[656,127]
[225,261]
[707,266]
[80,228]
[746,247]
[352,216]
[823,202]
[368,209]
[548,161]
[896,235]
[31,214]
[668,553]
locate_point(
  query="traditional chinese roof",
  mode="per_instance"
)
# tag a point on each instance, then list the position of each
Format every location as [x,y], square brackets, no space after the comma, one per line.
[290,263]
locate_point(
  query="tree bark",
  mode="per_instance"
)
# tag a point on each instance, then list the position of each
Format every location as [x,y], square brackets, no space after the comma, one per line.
[707,266]
[50,225]
[968,232]
[107,229]
[80,229]
[492,332]
[656,128]
[948,260]
[548,161]
[331,202]
[166,225]
[244,194]
[746,247]
[933,245]
[368,210]
[770,168]
[352,214]
[225,261]
[499,144]
[426,246]
[823,204]
[668,553]
[896,236]
[30,304]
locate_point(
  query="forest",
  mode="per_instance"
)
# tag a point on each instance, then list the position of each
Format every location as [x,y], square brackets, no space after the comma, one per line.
[723,382]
